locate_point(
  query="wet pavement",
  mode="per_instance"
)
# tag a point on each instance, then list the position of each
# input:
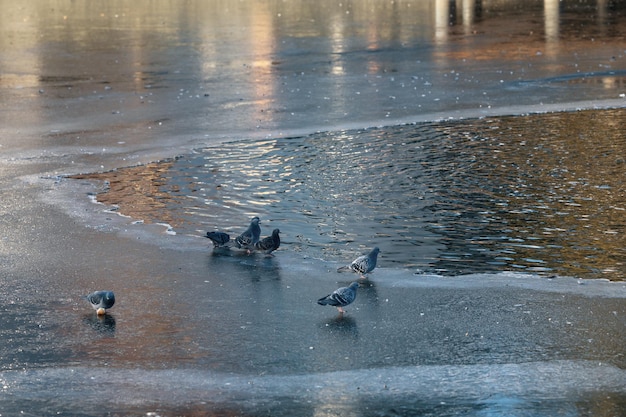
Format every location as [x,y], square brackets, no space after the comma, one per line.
[87,87]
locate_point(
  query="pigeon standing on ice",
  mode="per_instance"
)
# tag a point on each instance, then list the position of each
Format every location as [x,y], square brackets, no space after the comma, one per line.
[363,264]
[250,237]
[219,239]
[270,243]
[341,297]
[101,300]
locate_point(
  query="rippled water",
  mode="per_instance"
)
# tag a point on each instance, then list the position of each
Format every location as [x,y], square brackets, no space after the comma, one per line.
[541,193]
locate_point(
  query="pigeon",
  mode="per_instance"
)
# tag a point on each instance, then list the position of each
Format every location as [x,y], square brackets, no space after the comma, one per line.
[219,239]
[269,244]
[340,298]
[250,237]
[101,300]
[363,264]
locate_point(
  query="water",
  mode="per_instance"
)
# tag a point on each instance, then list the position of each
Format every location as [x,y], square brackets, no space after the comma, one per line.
[496,194]
[468,312]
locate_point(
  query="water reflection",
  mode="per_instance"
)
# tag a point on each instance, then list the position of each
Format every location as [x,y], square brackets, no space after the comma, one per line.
[342,326]
[121,66]
[551,26]
[558,206]
[104,325]
[257,267]
[518,193]
[139,189]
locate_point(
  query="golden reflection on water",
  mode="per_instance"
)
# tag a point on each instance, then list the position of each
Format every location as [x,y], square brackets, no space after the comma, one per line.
[563,190]
[541,193]
[253,40]
[139,191]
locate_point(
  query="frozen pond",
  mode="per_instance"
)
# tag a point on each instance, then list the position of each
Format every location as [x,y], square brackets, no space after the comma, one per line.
[488,133]
[126,81]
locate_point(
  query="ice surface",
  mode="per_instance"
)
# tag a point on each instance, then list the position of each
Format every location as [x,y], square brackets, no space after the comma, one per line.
[111,85]
[529,389]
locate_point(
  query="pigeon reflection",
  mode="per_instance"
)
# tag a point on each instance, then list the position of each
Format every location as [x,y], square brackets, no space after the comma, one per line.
[221,251]
[257,266]
[261,269]
[342,326]
[368,293]
[103,324]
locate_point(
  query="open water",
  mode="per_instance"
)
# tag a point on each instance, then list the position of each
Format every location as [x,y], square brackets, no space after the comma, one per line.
[540,193]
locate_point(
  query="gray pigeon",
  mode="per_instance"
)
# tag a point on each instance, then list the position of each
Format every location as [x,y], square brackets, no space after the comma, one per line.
[219,239]
[270,243]
[250,237]
[340,298]
[101,300]
[363,264]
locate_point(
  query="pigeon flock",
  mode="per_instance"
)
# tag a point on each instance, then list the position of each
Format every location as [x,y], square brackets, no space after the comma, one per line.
[250,241]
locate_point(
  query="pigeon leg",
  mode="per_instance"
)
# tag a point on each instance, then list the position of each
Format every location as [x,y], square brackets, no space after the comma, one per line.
[341,310]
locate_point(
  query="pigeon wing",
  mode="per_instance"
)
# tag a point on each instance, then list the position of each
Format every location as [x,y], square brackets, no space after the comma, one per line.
[218,238]
[270,243]
[360,264]
[101,299]
[243,240]
[250,236]
[366,263]
[341,297]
